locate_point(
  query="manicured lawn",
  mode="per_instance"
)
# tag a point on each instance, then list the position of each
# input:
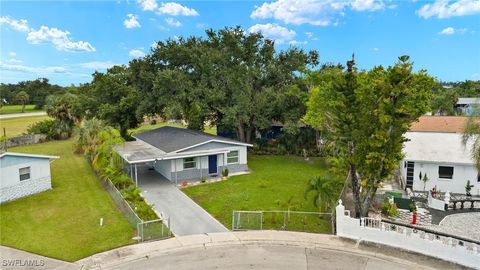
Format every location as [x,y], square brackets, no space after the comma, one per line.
[276,183]
[143,128]
[9,109]
[63,222]
[18,125]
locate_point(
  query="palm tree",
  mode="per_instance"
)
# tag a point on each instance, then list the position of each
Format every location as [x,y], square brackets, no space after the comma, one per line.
[326,191]
[471,135]
[23,98]
[87,136]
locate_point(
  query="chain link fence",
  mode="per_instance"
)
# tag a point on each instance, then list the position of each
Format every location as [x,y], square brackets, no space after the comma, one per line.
[146,230]
[313,222]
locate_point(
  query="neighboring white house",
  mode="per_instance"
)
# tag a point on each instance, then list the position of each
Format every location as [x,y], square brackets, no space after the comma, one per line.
[468,106]
[23,175]
[443,158]
[181,154]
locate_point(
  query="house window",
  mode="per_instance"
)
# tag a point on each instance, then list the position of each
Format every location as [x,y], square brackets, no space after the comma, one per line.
[24,173]
[232,157]
[445,172]
[189,163]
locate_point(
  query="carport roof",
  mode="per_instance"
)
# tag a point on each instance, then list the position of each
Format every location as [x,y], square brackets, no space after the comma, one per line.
[139,152]
[172,139]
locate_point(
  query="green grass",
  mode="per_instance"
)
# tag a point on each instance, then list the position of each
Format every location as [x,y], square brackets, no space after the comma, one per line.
[63,222]
[9,109]
[147,127]
[274,181]
[19,125]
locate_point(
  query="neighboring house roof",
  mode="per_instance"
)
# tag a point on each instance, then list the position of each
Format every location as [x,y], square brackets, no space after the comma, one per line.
[172,139]
[437,147]
[454,124]
[462,101]
[4,154]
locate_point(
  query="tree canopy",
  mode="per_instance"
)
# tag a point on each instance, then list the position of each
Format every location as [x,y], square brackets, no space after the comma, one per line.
[365,114]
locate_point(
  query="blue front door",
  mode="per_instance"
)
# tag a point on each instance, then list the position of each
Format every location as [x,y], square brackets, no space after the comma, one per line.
[212,164]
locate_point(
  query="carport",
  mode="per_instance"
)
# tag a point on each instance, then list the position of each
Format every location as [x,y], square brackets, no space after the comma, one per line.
[137,153]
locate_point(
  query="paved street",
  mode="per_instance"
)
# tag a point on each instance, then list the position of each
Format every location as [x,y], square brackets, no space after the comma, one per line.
[186,217]
[16,115]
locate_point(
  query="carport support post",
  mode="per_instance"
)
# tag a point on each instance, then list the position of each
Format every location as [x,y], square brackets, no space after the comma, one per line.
[136,178]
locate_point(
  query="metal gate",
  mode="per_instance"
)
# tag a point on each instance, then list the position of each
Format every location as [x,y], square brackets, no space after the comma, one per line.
[314,222]
[153,230]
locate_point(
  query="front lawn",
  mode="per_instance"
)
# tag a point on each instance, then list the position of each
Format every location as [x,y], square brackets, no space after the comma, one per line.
[276,183]
[19,125]
[63,222]
[9,109]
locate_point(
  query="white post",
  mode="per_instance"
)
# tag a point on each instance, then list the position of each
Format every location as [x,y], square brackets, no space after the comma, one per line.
[175,163]
[136,175]
[339,216]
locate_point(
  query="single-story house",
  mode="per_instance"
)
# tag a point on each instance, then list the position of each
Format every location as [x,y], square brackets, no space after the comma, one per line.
[23,175]
[468,106]
[182,154]
[435,123]
[443,158]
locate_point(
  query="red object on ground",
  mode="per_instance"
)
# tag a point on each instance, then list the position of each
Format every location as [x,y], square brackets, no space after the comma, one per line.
[414,218]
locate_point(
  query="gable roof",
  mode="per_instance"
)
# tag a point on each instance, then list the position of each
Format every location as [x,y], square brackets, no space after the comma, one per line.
[437,147]
[172,139]
[4,154]
[453,124]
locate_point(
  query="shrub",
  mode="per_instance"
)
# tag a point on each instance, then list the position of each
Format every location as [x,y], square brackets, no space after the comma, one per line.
[390,209]
[412,206]
[225,172]
[203,179]
[52,128]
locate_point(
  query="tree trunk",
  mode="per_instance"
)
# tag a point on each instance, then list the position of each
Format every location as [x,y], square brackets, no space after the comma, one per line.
[368,201]
[23,107]
[241,131]
[248,136]
[355,185]
[123,132]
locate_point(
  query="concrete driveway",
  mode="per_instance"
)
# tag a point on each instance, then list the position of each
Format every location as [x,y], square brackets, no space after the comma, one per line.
[186,217]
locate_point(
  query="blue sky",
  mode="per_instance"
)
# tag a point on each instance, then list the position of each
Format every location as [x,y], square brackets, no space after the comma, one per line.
[66,41]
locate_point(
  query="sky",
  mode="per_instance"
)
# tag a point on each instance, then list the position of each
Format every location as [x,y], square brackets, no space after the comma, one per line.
[66,41]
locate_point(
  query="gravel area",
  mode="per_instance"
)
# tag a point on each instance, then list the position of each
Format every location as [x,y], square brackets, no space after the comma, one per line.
[466,225]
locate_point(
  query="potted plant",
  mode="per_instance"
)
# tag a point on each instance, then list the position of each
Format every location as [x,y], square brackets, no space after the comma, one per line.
[425,180]
[468,188]
[413,207]
[225,174]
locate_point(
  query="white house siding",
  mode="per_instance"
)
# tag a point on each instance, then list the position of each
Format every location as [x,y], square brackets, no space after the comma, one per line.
[164,167]
[461,174]
[10,185]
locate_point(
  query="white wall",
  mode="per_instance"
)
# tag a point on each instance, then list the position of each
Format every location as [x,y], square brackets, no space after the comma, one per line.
[164,167]
[461,174]
[242,150]
[10,165]
[406,239]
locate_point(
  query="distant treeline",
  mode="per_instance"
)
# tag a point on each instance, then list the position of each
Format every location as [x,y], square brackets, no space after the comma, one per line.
[37,90]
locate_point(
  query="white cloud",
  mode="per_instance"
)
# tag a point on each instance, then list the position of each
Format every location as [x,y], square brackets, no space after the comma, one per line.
[444,9]
[154,45]
[201,25]
[15,61]
[37,70]
[272,31]
[375,49]
[60,39]
[315,12]
[97,64]
[366,5]
[296,42]
[19,25]
[131,21]
[148,5]
[175,9]
[136,53]
[173,22]
[451,31]
[309,34]
[12,54]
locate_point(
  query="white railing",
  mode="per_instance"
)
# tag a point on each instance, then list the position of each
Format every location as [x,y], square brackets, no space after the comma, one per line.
[446,247]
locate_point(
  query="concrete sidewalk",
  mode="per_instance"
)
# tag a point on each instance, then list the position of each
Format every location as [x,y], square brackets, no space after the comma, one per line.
[17,115]
[260,250]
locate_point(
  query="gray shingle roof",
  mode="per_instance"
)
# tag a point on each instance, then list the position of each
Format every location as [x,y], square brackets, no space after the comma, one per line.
[171,139]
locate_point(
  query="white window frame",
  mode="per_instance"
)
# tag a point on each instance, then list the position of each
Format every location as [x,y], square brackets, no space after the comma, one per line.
[237,156]
[194,162]
[20,173]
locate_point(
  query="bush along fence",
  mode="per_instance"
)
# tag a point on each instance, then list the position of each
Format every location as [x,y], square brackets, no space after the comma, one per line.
[447,247]
[153,229]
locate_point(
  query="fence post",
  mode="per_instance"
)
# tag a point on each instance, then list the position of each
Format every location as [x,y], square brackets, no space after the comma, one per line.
[261,220]
[233,220]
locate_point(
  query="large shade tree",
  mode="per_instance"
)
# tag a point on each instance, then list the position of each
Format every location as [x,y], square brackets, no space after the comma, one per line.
[365,114]
[231,78]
